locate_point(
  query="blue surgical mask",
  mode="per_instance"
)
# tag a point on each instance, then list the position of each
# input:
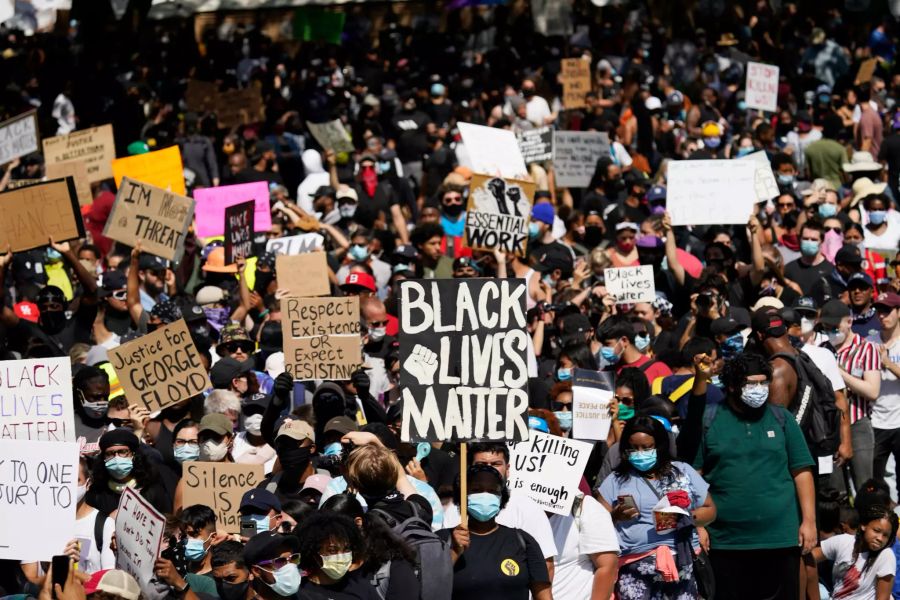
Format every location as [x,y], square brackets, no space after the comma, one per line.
[119,467]
[785,179]
[484,506]
[187,453]
[643,460]
[827,210]
[609,355]
[642,341]
[877,217]
[262,522]
[534,230]
[194,549]
[423,449]
[565,419]
[809,248]
[332,449]
[287,580]
[358,253]
[53,256]
[563,374]
[755,395]
[744,151]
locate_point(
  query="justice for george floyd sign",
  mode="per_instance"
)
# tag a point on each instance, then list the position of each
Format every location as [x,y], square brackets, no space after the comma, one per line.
[463,349]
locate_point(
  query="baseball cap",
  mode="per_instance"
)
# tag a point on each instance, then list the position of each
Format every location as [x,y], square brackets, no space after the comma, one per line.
[152,262]
[833,312]
[889,299]
[345,192]
[767,301]
[210,294]
[115,582]
[267,545]
[437,89]
[363,280]
[848,255]
[465,261]
[27,310]
[859,279]
[806,304]
[215,262]
[554,256]
[543,212]
[656,193]
[316,482]
[217,423]
[768,322]
[227,369]
[260,499]
[296,429]
[724,326]
[111,281]
[342,425]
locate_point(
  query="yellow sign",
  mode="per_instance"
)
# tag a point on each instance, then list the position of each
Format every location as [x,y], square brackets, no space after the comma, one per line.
[162,168]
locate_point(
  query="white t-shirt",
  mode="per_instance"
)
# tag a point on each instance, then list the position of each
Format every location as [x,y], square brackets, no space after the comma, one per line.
[885,241]
[521,512]
[827,363]
[850,581]
[94,559]
[576,540]
[886,409]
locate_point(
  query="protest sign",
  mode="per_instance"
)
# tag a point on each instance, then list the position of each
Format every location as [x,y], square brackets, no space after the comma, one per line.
[492,151]
[711,192]
[463,350]
[19,136]
[575,76]
[95,146]
[866,71]
[161,368]
[630,284]
[762,86]
[211,204]
[139,534]
[764,180]
[548,468]
[238,231]
[536,144]
[575,155]
[220,487]
[77,170]
[36,400]
[162,168]
[592,392]
[498,214]
[238,107]
[34,213]
[200,96]
[303,274]
[321,337]
[331,135]
[158,218]
[38,482]
[296,244]
[15,184]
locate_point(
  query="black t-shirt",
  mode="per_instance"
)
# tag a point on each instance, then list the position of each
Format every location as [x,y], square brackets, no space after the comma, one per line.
[412,142]
[352,587]
[77,329]
[501,566]
[890,153]
[807,276]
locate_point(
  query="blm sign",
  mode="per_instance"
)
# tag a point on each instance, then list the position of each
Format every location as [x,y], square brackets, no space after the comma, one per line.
[463,366]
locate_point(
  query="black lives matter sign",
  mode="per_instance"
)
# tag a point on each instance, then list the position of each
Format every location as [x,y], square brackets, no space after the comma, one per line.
[463,360]
[239,231]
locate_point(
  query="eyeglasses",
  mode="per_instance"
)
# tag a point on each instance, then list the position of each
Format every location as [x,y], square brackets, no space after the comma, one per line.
[183,443]
[281,561]
[453,199]
[122,453]
[785,205]
[245,347]
[636,450]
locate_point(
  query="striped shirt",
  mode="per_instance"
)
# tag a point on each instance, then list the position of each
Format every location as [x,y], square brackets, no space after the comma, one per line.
[856,358]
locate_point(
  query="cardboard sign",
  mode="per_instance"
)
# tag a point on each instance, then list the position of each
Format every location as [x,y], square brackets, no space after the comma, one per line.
[139,534]
[710,192]
[575,156]
[592,392]
[492,151]
[238,231]
[200,96]
[161,368]
[548,468]
[866,71]
[15,184]
[220,486]
[38,481]
[536,145]
[162,168]
[463,350]
[498,214]
[19,137]
[34,213]
[296,244]
[331,135]
[211,204]
[303,275]
[157,217]
[631,284]
[321,337]
[36,400]
[239,107]
[575,76]
[96,146]
[77,170]
[764,180]
[762,86]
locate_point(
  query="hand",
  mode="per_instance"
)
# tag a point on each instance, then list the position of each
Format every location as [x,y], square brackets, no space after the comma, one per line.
[883,352]
[361,382]
[414,469]
[753,225]
[73,549]
[330,158]
[703,366]
[6,257]
[694,309]
[807,536]
[256,301]
[170,277]
[499,256]
[361,438]
[139,417]
[241,263]
[284,384]
[613,409]
[281,293]
[609,302]
[667,222]
[844,453]
[165,570]
[62,248]
[421,364]
[703,534]
[620,512]
[582,272]
[136,253]
[218,537]
[459,539]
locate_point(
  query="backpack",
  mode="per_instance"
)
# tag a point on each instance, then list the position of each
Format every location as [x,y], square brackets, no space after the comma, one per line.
[813,407]
[434,569]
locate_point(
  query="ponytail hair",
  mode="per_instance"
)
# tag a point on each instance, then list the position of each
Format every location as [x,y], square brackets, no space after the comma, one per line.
[869,514]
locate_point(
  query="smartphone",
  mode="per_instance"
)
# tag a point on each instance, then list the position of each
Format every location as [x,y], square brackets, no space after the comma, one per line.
[60,571]
[627,501]
[248,528]
[278,205]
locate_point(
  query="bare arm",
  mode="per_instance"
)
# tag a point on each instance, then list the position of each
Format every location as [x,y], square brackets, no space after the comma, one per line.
[541,591]
[759,264]
[132,290]
[806,496]
[400,223]
[784,383]
[331,159]
[86,279]
[706,514]
[606,569]
[845,450]
[883,587]
[336,236]
[868,387]
[243,292]
[672,251]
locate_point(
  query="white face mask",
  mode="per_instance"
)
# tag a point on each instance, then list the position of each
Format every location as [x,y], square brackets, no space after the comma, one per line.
[376,334]
[806,325]
[253,424]
[212,451]
[80,492]
[836,337]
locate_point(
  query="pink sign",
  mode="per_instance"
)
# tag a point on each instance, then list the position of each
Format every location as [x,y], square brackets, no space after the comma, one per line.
[211,203]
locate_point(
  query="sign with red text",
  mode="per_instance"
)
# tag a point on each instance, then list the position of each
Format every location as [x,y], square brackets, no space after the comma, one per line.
[762,86]
[139,534]
[36,400]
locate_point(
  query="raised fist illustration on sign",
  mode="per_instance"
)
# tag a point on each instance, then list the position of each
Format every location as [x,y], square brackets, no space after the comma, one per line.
[421,364]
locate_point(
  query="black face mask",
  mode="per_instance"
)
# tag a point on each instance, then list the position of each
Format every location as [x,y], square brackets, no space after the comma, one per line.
[232,591]
[452,210]
[617,184]
[117,321]
[174,414]
[53,321]
[291,455]
[593,235]
[263,279]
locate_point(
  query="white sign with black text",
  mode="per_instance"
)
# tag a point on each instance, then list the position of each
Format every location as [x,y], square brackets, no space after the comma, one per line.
[630,284]
[548,469]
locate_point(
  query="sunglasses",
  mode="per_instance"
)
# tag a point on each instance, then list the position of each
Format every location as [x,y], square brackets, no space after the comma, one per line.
[245,347]
[119,295]
[626,400]
[281,561]
[834,229]
[785,205]
[453,200]
[378,323]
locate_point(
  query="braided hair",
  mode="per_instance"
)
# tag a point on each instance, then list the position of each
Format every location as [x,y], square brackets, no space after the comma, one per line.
[869,514]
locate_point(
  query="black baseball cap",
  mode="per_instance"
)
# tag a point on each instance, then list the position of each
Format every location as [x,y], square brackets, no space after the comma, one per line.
[806,304]
[859,280]
[554,256]
[848,255]
[833,312]
[111,281]
[268,545]
[768,322]
[724,326]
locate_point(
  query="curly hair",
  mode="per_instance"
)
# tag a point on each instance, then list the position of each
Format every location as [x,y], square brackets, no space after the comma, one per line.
[650,426]
[321,527]
[736,370]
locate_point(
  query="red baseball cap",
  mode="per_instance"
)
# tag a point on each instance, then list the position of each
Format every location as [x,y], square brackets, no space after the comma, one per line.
[27,310]
[363,280]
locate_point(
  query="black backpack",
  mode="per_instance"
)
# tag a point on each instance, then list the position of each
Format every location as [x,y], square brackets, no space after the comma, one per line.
[813,407]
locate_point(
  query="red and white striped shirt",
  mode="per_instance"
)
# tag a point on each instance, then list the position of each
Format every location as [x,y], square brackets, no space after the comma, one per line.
[856,358]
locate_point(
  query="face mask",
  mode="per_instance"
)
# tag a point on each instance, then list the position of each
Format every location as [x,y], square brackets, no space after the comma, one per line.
[754,395]
[795,341]
[563,374]
[332,449]
[253,424]
[642,342]
[95,410]
[212,451]
[565,419]
[336,565]
[877,217]
[293,456]
[452,210]
[836,337]
[53,321]
[484,506]
[263,279]
[593,235]
[827,210]
[80,492]
[785,179]
[744,151]
[376,334]
[809,248]
[643,460]
[119,467]
[217,317]
[262,522]
[625,247]
[187,453]
[232,591]
[716,381]
[358,253]
[625,412]
[733,345]
[609,355]
[194,550]
[287,580]
[534,230]
[347,210]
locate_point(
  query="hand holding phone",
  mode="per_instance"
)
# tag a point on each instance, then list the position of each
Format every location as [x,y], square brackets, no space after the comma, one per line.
[625,509]
[60,569]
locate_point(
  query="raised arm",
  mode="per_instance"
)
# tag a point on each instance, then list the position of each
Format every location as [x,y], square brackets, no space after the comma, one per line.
[672,251]
[133,287]
[7,316]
